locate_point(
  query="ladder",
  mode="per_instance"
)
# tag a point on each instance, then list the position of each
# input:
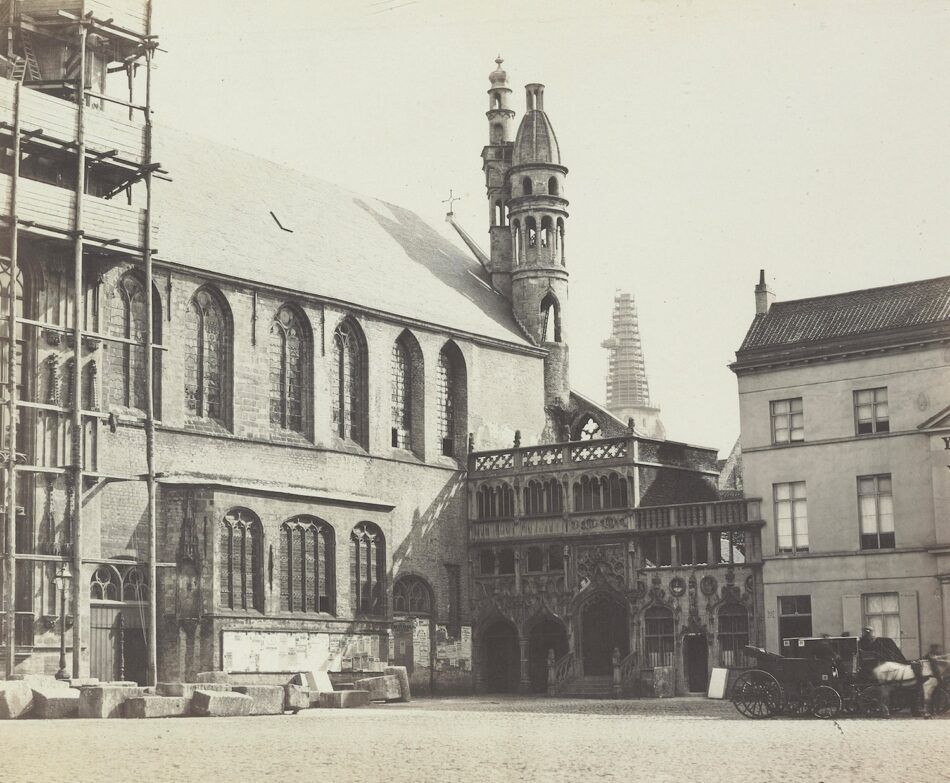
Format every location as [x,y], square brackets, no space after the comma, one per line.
[29,57]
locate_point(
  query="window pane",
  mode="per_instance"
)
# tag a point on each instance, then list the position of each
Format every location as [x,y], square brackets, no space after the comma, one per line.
[875,604]
[868,514]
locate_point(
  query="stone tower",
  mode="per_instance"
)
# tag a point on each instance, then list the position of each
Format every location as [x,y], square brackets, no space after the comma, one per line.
[628,391]
[496,161]
[537,211]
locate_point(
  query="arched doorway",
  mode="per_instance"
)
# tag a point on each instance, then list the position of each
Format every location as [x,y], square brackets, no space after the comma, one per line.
[118,602]
[696,662]
[604,628]
[414,629]
[501,662]
[546,634]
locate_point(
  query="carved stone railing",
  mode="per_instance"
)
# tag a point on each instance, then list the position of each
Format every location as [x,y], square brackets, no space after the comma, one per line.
[625,672]
[560,672]
[579,453]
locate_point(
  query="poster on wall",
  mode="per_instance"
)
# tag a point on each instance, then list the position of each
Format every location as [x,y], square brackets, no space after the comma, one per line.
[421,643]
[465,648]
[274,651]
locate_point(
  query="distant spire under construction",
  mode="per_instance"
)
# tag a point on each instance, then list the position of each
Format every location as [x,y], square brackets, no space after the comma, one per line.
[628,391]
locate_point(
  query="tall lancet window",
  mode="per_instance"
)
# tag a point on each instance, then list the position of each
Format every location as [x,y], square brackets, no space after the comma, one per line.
[349,382]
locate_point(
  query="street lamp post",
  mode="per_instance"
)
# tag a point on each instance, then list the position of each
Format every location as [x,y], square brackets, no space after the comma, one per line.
[63,576]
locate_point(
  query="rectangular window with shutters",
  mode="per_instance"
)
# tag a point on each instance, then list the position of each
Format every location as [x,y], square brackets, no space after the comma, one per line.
[794,616]
[693,548]
[876,512]
[791,516]
[870,411]
[882,614]
[788,420]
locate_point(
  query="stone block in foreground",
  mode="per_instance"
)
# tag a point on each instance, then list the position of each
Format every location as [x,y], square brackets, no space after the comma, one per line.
[55,701]
[296,697]
[218,677]
[344,699]
[105,701]
[156,707]
[402,674]
[267,699]
[16,699]
[316,681]
[385,688]
[220,704]
[187,689]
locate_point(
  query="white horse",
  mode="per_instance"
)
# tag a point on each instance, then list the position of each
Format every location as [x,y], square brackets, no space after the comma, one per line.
[932,670]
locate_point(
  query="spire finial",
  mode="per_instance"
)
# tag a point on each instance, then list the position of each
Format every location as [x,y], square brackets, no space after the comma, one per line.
[498,61]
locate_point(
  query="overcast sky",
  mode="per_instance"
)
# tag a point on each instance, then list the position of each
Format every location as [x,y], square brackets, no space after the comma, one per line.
[705,140]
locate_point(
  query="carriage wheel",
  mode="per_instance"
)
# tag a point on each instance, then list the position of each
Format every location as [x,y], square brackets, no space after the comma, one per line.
[869,704]
[939,701]
[757,694]
[825,702]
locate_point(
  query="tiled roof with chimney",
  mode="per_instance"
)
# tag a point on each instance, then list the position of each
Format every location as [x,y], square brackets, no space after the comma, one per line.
[839,320]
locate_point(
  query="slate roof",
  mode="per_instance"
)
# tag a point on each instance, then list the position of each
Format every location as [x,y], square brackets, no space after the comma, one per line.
[215,216]
[799,322]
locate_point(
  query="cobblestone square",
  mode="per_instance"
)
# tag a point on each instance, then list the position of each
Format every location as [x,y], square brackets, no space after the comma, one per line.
[483,739]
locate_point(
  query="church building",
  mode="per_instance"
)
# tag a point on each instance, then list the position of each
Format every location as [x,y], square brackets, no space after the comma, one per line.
[253,421]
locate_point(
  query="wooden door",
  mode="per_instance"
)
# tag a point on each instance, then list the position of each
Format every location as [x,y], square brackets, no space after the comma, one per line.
[103,642]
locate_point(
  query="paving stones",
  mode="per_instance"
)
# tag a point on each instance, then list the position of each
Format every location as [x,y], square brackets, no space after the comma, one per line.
[156,707]
[105,701]
[16,699]
[267,699]
[385,688]
[221,704]
[55,701]
[344,699]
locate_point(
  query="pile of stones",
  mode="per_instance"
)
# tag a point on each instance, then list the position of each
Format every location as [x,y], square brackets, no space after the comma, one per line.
[213,694]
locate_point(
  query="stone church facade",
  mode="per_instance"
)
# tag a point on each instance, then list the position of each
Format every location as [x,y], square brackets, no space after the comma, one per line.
[290,480]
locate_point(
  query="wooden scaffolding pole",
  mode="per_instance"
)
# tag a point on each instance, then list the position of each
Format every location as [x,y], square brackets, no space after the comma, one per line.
[9,569]
[150,386]
[152,640]
[78,310]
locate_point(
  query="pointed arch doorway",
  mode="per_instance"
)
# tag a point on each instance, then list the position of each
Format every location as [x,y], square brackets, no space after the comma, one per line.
[604,627]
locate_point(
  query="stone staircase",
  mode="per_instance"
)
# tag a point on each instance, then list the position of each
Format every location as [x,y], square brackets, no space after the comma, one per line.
[588,688]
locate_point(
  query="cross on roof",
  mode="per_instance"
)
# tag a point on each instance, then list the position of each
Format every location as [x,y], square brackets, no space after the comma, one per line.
[451,200]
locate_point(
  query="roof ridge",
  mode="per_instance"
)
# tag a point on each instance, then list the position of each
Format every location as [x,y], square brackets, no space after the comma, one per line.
[820,297]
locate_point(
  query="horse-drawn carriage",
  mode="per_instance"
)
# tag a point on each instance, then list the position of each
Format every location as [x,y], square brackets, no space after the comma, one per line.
[824,678]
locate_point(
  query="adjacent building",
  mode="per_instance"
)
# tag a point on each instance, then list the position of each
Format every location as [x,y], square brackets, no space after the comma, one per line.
[845,414]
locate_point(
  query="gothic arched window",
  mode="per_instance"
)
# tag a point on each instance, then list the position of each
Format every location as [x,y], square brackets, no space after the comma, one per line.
[412,596]
[367,569]
[545,497]
[452,398]
[349,389]
[208,357]
[407,394]
[289,370]
[516,240]
[307,558]
[128,314]
[495,502]
[240,561]
[550,319]
[526,186]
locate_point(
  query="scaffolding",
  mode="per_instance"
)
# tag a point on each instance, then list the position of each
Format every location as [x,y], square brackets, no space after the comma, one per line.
[627,385]
[28,26]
